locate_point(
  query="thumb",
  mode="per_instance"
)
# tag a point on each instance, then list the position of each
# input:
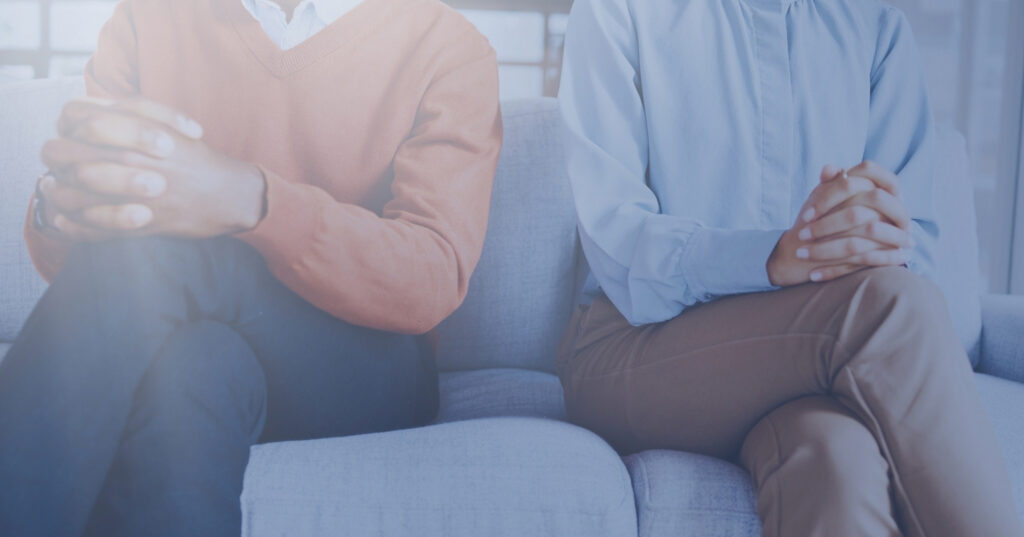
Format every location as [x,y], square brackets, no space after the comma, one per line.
[830,172]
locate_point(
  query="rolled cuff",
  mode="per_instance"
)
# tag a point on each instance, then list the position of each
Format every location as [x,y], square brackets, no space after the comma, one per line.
[723,262]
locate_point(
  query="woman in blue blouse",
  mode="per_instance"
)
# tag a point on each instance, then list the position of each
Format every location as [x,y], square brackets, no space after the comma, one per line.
[748,297]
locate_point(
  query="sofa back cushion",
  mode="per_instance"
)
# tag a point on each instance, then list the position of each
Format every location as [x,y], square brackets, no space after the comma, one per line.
[521,294]
[956,256]
[28,117]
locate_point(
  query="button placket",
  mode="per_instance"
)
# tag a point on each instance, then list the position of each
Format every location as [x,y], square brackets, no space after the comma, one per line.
[777,109]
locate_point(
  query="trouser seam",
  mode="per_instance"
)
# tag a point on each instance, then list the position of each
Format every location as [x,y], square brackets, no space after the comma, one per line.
[778,465]
[884,443]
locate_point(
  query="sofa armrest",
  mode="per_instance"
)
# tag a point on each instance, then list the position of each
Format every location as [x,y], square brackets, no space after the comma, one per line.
[1002,336]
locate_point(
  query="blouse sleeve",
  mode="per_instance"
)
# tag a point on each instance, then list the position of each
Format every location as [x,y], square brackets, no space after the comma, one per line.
[901,131]
[650,265]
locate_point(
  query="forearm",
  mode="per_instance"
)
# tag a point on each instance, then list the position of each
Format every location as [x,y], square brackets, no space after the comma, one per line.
[402,274]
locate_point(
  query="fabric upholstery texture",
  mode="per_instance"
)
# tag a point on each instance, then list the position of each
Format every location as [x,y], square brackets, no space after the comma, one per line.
[494,477]
[1002,340]
[28,116]
[520,296]
[489,393]
[688,495]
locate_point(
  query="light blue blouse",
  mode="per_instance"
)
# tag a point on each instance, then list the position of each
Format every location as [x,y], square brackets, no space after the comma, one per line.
[695,130]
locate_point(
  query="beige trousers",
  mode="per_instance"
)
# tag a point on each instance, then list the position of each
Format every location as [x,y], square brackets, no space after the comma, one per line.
[851,403]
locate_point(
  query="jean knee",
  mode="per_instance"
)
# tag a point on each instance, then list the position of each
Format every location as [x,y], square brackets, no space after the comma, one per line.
[208,364]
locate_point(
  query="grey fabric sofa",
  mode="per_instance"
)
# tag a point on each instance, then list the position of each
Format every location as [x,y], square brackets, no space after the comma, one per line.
[501,460]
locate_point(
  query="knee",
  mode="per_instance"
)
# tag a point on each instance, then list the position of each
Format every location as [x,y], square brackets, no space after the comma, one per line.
[114,254]
[889,290]
[116,264]
[207,364]
[818,438]
[841,450]
[895,307]
[137,259]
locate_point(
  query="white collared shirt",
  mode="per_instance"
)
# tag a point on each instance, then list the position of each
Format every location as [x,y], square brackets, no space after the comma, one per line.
[309,18]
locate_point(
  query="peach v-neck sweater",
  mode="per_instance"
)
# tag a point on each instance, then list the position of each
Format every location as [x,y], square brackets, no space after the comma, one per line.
[378,137]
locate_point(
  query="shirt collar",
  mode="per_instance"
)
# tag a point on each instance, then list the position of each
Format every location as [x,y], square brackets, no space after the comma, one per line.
[327,11]
[331,10]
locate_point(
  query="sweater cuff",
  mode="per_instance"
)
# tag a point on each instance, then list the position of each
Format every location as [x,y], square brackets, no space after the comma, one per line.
[289,224]
[723,262]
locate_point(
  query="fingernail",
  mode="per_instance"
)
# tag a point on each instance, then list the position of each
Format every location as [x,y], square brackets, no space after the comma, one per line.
[150,183]
[139,215]
[59,221]
[808,215]
[805,234]
[190,127]
[803,253]
[815,276]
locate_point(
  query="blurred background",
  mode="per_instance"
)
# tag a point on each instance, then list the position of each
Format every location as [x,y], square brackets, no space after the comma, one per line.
[973,58]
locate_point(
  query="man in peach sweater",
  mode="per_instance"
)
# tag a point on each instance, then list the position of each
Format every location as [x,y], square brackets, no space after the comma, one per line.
[247,229]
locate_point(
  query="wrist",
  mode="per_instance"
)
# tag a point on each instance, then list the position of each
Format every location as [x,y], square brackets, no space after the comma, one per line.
[252,198]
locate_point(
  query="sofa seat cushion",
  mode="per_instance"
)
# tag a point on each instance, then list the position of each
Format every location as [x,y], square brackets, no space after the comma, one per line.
[494,477]
[490,393]
[687,495]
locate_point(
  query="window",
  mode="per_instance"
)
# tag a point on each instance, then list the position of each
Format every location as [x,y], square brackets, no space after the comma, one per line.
[528,36]
[40,38]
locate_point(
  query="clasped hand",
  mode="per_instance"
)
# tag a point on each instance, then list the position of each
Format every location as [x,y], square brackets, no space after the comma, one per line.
[136,167]
[852,220]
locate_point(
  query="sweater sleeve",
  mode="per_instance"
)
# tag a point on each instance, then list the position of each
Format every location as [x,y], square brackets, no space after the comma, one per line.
[407,268]
[112,72]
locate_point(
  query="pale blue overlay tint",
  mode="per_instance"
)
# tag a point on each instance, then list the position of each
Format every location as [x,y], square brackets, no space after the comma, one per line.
[696,130]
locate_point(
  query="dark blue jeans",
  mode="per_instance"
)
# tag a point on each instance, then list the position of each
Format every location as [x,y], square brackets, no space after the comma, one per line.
[130,400]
